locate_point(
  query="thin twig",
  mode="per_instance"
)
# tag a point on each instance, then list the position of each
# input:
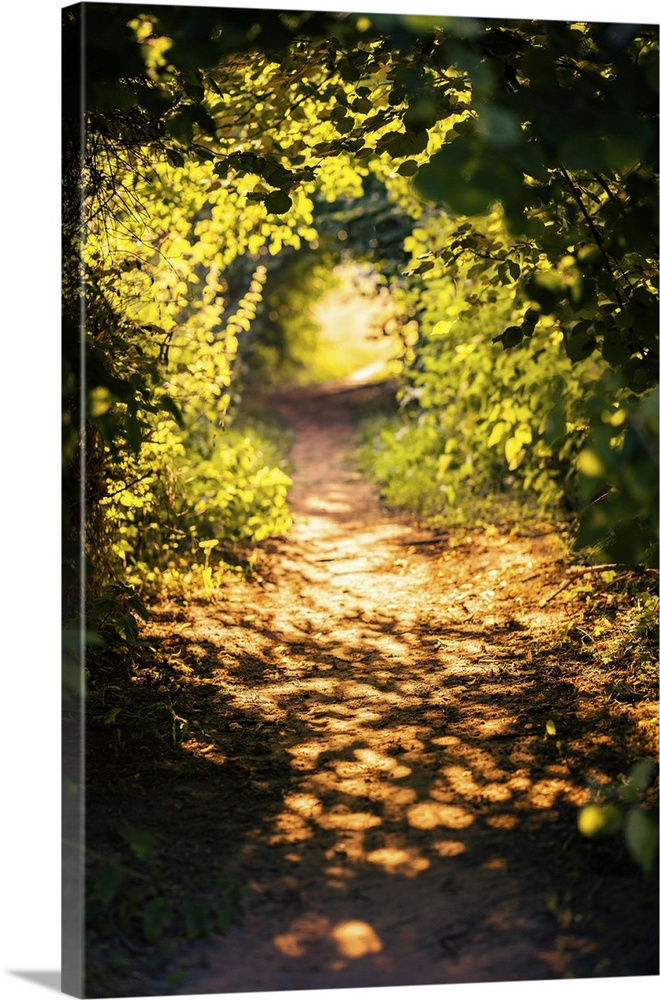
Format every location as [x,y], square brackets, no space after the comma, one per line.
[551,597]
[129,486]
[428,541]
[594,231]
[603,567]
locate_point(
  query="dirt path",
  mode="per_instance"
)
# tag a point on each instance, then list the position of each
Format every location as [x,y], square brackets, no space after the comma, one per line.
[376,718]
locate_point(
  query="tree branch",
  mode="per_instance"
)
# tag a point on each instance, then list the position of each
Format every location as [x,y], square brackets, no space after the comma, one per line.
[594,231]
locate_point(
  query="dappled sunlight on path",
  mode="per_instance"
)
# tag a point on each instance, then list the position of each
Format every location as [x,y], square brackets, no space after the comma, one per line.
[380,701]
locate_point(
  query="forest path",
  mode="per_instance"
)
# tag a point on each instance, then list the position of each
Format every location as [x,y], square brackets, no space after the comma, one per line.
[388,798]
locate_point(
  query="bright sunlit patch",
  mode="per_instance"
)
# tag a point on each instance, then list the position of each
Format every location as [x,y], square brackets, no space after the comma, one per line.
[544,793]
[394,798]
[503,822]
[428,815]
[398,862]
[446,741]
[399,771]
[290,828]
[348,768]
[496,793]
[349,725]
[348,821]
[354,939]
[520,782]
[333,506]
[289,945]
[304,804]
[380,762]
[305,755]
[461,779]
[353,786]
[495,864]
[304,931]
[449,848]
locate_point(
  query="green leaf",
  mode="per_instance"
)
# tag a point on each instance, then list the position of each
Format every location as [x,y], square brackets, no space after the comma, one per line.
[134,433]
[142,843]
[127,628]
[136,605]
[361,106]
[221,169]
[510,337]
[167,403]
[224,919]
[196,917]
[641,775]
[408,168]
[155,919]
[345,125]
[349,72]
[547,288]
[180,125]
[599,821]
[580,342]
[203,154]
[615,348]
[641,836]
[421,115]
[405,143]
[449,177]
[106,882]
[277,202]
[513,452]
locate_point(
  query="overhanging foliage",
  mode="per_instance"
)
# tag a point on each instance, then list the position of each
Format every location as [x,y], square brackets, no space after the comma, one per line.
[523,154]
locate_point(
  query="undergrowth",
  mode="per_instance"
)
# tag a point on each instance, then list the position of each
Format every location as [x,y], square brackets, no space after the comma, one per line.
[408,462]
[179,544]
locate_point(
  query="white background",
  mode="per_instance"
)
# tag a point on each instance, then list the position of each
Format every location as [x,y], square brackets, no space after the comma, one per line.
[29,491]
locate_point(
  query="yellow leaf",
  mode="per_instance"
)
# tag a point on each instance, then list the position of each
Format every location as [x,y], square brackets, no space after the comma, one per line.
[513,451]
[499,430]
[589,464]
[595,821]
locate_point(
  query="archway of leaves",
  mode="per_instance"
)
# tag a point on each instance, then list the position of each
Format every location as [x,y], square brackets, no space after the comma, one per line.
[500,178]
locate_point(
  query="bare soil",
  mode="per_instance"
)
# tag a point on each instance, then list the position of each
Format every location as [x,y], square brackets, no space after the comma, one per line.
[367,757]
